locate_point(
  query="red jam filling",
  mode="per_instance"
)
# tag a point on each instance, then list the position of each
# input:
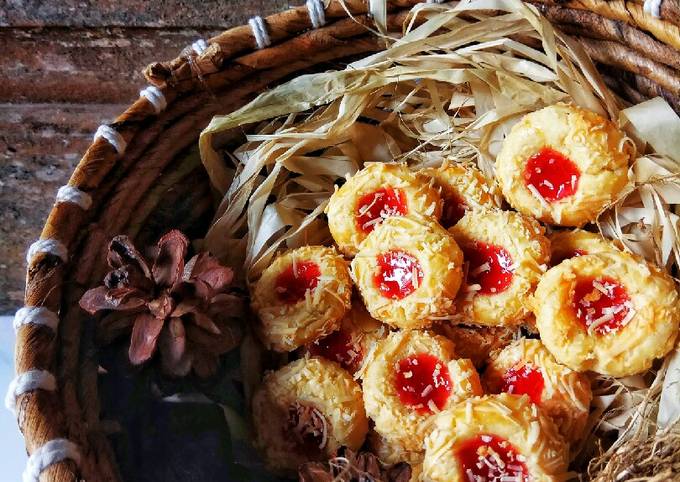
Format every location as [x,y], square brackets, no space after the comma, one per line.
[602,305]
[399,274]
[338,347]
[490,267]
[373,207]
[454,210]
[553,175]
[524,380]
[293,282]
[574,254]
[421,381]
[489,458]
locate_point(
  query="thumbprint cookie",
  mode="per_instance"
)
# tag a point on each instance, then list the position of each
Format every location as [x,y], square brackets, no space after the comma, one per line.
[306,411]
[301,296]
[611,313]
[410,376]
[563,164]
[463,187]
[377,192]
[349,345]
[570,244]
[506,253]
[408,272]
[494,438]
[526,367]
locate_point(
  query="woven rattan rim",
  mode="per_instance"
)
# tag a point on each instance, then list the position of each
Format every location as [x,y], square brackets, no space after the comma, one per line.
[111,188]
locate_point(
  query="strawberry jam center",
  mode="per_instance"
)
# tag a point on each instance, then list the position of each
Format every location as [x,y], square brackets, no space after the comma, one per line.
[573,254]
[454,210]
[602,305]
[399,274]
[293,282]
[490,458]
[423,380]
[490,267]
[338,347]
[373,207]
[553,175]
[524,380]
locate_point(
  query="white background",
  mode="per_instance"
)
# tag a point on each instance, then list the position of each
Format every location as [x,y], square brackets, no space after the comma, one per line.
[11,442]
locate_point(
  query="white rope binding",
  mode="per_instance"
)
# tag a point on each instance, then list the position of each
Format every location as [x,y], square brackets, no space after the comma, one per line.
[155,97]
[51,453]
[653,8]
[70,194]
[199,46]
[27,382]
[35,315]
[113,136]
[50,246]
[260,33]
[316,13]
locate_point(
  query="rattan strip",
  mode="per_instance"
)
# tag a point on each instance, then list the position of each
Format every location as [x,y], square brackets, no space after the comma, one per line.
[625,91]
[620,56]
[589,24]
[651,89]
[629,12]
[636,88]
[225,46]
[668,10]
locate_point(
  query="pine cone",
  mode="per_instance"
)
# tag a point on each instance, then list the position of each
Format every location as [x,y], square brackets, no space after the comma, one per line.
[348,466]
[183,310]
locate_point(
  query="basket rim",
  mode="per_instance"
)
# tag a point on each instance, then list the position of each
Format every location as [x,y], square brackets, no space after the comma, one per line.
[42,414]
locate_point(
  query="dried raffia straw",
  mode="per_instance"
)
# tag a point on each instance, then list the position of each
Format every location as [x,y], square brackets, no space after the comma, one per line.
[644,218]
[655,459]
[450,87]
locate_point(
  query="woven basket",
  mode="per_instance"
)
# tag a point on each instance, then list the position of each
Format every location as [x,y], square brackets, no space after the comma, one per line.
[137,179]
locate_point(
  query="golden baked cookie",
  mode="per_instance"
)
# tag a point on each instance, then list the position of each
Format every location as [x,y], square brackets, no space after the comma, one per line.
[408,272]
[563,164]
[349,345]
[494,438]
[306,411]
[506,253]
[577,242]
[373,194]
[301,296]
[410,376]
[476,342]
[611,313]
[463,187]
[526,367]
